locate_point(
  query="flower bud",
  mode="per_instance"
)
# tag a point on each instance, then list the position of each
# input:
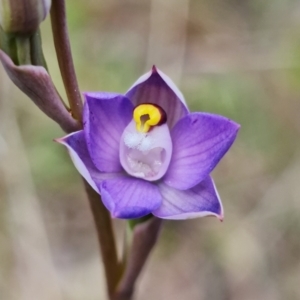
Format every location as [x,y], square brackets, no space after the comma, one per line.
[35,82]
[23,16]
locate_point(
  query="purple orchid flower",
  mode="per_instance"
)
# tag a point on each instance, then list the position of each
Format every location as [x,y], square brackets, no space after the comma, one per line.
[144,152]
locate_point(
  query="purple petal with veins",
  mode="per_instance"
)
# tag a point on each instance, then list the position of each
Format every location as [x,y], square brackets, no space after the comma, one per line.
[129,198]
[105,118]
[199,201]
[157,88]
[76,145]
[200,140]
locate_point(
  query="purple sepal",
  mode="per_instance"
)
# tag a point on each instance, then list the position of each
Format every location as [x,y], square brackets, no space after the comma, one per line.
[200,140]
[199,201]
[129,198]
[105,117]
[76,145]
[157,88]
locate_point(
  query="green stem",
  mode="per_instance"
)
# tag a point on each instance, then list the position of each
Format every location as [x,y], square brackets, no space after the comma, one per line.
[8,45]
[23,50]
[3,41]
[37,55]
[64,57]
[103,222]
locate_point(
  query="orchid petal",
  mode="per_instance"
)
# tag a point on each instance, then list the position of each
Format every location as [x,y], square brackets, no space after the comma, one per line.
[199,201]
[200,140]
[157,88]
[76,145]
[129,198]
[105,117]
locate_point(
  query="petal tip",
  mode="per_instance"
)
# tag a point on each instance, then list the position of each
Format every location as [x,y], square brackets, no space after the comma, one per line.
[220,217]
[237,126]
[154,69]
[58,140]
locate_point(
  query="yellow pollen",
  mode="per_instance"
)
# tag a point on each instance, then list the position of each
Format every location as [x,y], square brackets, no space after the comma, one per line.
[146,116]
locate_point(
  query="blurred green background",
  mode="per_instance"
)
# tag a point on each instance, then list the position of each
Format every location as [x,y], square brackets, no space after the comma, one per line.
[237,58]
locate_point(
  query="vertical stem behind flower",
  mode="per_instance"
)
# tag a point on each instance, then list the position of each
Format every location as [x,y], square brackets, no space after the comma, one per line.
[144,239]
[64,57]
[103,222]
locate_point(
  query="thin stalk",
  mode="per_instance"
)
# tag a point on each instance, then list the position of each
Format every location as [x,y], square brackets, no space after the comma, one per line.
[37,55]
[64,57]
[38,59]
[144,237]
[103,222]
[23,50]
[4,41]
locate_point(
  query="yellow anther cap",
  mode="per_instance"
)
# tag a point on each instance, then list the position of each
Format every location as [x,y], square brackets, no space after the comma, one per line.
[147,116]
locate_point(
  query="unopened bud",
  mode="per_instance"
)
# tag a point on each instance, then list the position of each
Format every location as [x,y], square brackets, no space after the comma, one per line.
[23,16]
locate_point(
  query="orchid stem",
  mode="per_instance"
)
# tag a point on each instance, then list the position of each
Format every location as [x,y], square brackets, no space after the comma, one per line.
[37,55]
[8,45]
[23,50]
[38,59]
[64,57]
[103,222]
[102,219]
[143,241]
